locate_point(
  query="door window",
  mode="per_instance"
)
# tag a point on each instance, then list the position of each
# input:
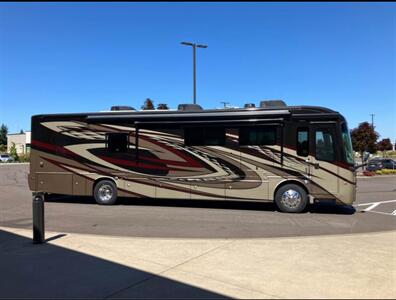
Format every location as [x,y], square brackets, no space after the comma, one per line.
[324,143]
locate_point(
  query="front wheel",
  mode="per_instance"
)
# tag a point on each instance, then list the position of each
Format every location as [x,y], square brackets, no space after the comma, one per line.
[291,198]
[105,192]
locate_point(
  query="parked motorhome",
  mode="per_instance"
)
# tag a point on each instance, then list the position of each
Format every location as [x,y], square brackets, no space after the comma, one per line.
[274,152]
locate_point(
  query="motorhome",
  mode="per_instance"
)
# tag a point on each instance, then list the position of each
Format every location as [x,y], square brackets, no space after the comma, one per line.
[292,155]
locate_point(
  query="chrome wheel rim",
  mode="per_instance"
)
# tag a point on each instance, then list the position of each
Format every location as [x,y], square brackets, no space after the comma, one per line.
[105,192]
[291,198]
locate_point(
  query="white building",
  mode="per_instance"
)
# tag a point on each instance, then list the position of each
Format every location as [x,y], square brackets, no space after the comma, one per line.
[21,141]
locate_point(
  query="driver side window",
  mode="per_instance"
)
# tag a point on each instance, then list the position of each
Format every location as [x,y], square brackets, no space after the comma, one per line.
[324,143]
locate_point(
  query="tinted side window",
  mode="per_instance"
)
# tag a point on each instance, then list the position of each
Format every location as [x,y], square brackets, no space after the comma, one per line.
[201,136]
[117,142]
[324,145]
[257,135]
[388,164]
[302,146]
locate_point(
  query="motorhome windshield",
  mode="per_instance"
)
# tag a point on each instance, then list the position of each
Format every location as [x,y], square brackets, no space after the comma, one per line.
[347,144]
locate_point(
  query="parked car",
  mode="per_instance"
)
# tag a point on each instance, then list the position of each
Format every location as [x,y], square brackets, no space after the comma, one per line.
[6,158]
[381,163]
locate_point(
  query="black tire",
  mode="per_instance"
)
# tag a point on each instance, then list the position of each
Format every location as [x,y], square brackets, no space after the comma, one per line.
[105,192]
[298,198]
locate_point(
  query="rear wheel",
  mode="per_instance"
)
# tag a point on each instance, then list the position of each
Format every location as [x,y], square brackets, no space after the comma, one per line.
[291,198]
[105,192]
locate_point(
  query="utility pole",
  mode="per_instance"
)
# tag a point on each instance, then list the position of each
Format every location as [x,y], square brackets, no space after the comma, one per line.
[372,120]
[194,46]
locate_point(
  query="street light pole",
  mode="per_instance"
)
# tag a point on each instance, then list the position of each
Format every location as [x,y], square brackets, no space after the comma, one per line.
[372,120]
[195,72]
[194,46]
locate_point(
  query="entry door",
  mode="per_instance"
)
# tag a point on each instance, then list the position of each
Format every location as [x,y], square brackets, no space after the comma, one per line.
[324,156]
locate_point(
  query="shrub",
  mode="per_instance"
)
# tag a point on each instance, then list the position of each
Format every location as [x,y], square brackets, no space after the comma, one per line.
[24,157]
[390,154]
[386,172]
[368,173]
[13,152]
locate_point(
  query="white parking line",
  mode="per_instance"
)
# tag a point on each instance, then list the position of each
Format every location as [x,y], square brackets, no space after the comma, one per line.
[373,205]
[381,213]
[379,202]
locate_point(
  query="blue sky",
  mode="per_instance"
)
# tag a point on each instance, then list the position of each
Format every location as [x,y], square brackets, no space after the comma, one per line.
[75,57]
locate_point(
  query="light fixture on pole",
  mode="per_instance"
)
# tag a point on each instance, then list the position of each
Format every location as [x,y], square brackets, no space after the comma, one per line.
[224,103]
[194,46]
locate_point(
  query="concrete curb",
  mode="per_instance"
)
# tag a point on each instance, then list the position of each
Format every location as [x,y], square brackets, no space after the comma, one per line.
[14,164]
[375,176]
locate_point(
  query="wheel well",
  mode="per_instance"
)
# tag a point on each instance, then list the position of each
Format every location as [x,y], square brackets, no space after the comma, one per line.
[296,182]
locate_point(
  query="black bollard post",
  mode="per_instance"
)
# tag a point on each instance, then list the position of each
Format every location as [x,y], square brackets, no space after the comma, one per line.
[38,219]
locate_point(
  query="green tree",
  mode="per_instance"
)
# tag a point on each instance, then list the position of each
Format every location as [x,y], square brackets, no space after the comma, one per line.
[162,106]
[13,152]
[3,148]
[148,104]
[21,132]
[384,145]
[364,138]
[3,134]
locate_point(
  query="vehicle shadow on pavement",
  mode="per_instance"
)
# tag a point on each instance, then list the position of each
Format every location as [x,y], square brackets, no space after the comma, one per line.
[318,208]
[210,204]
[49,271]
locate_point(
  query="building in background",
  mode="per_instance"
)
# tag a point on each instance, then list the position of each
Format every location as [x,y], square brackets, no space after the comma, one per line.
[21,141]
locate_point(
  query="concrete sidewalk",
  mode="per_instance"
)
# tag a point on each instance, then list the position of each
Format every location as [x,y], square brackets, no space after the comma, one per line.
[86,266]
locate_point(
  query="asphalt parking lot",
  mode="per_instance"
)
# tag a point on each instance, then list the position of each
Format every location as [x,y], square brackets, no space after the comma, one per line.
[374,211]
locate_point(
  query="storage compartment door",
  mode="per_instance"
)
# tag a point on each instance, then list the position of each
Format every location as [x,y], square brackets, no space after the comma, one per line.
[57,183]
